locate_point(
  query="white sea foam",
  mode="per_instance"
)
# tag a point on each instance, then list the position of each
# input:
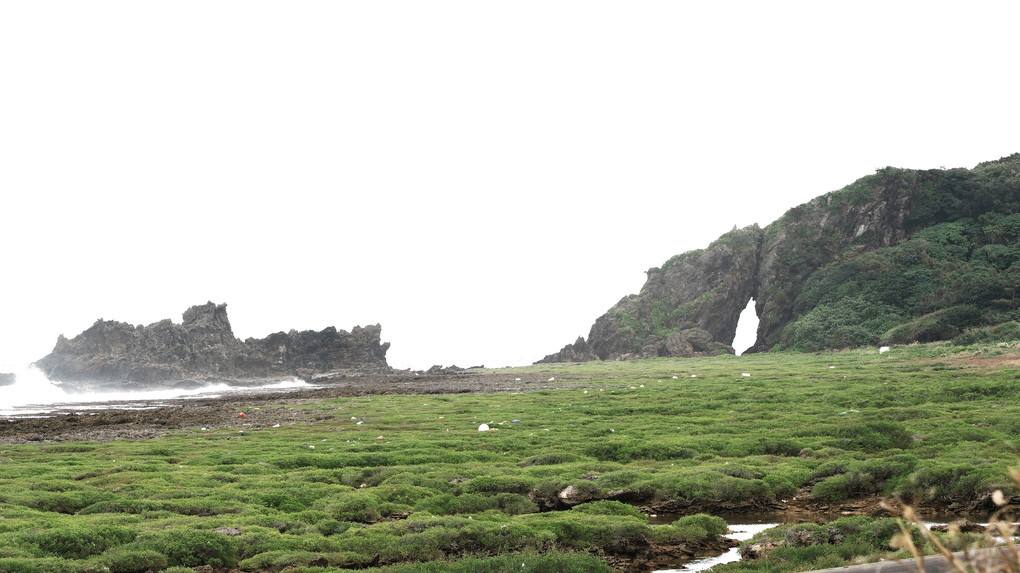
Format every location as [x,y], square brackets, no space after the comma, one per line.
[34,394]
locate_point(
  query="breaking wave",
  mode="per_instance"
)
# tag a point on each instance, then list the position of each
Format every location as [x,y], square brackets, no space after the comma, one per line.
[33,394]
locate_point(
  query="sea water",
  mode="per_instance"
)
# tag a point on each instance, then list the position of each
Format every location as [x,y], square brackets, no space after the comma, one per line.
[32,394]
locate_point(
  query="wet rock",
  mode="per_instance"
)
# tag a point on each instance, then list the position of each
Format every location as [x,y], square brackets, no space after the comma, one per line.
[804,538]
[756,550]
[964,525]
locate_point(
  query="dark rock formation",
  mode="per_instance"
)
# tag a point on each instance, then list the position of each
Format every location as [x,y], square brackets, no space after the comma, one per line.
[579,351]
[7,379]
[690,306]
[203,348]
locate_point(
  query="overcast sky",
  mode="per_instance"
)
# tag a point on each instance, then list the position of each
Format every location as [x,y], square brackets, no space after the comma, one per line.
[483,179]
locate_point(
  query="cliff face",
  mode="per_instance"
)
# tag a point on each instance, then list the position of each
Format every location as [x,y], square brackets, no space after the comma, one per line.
[824,230]
[688,307]
[203,347]
[833,263]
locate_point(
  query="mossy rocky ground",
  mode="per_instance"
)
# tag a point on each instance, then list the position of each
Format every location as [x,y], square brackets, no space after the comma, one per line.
[368,473]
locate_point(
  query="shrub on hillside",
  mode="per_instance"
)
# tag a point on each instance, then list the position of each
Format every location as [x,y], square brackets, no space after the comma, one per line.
[942,324]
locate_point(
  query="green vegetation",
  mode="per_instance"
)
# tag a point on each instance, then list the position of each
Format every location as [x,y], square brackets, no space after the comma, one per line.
[809,546]
[418,487]
[947,278]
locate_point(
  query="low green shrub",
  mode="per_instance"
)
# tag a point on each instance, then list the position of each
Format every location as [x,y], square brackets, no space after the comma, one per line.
[124,560]
[547,562]
[361,506]
[579,530]
[499,484]
[191,547]
[254,540]
[80,542]
[608,507]
[942,324]
[41,565]
[843,487]
[132,506]
[698,527]
[278,560]
[329,527]
[873,436]
[1005,332]
[63,502]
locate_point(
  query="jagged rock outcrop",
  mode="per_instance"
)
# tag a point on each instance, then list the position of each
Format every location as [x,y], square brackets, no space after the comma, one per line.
[690,306]
[579,351]
[687,307]
[203,348]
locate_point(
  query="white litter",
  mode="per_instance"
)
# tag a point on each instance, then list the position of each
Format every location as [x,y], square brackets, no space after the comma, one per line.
[832,367]
[553,379]
[883,350]
[745,374]
[483,428]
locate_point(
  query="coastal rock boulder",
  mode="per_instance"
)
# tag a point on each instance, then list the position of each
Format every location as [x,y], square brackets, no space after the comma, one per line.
[203,348]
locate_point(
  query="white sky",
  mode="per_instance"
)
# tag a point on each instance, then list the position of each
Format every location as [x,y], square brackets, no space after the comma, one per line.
[484,179]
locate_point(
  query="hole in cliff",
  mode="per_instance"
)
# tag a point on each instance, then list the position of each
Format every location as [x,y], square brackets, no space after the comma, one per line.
[747,329]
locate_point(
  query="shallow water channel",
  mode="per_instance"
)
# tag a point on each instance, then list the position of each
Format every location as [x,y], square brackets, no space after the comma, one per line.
[745,526]
[741,532]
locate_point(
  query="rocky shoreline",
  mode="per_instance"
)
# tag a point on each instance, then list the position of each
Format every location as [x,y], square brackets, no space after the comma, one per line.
[114,422]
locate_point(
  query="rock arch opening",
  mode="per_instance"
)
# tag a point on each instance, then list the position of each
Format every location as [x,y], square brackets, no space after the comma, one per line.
[747,329]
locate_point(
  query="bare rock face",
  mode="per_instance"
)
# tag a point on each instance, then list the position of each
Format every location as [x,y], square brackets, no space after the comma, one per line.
[203,348]
[688,307]
[817,233]
[579,351]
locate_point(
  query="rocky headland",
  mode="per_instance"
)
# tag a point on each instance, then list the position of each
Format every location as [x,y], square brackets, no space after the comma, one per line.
[203,349]
[895,257]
